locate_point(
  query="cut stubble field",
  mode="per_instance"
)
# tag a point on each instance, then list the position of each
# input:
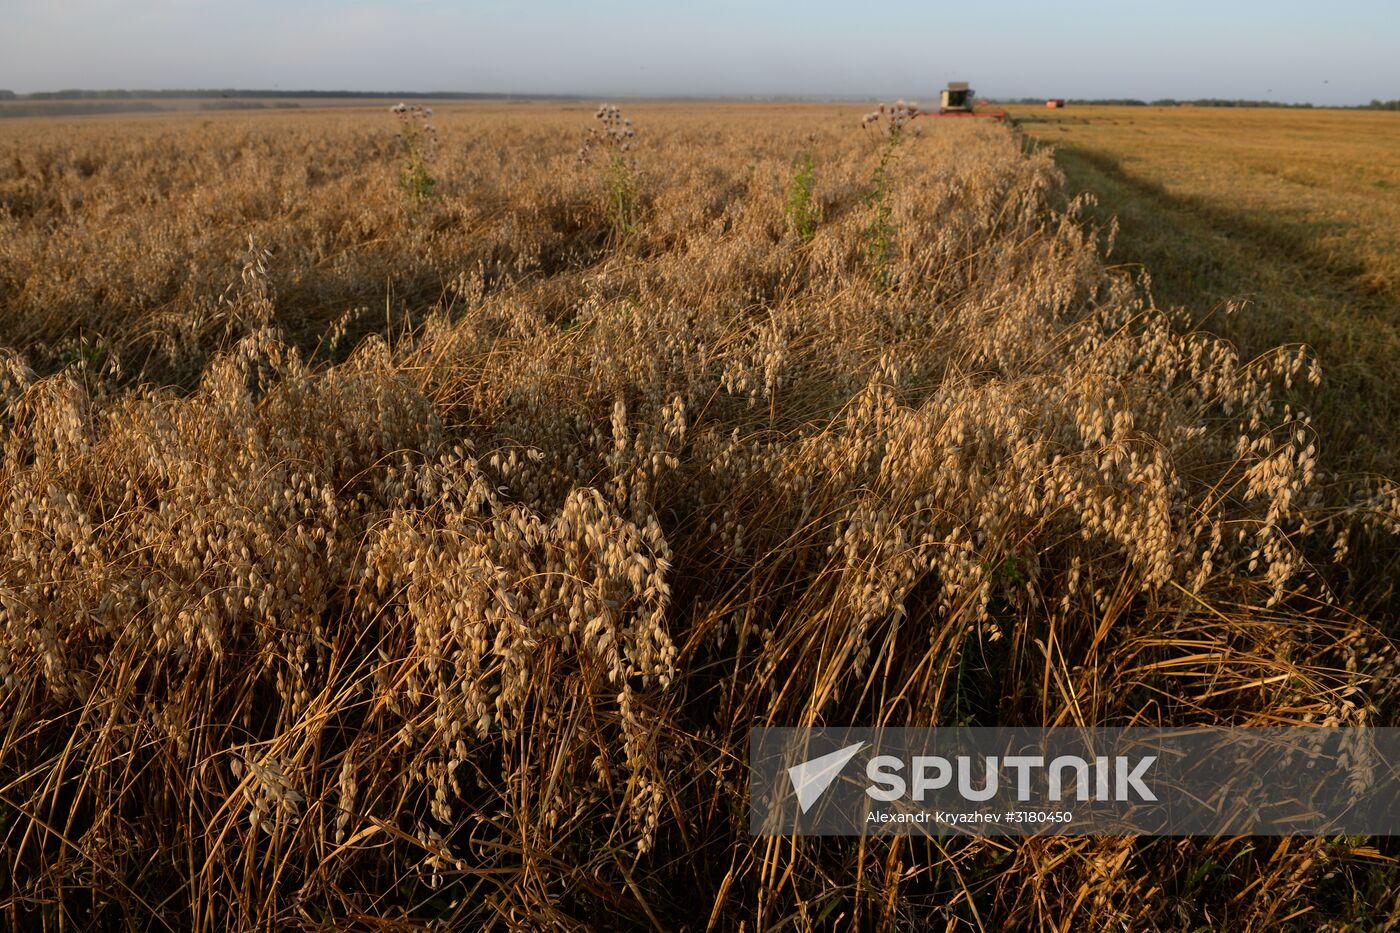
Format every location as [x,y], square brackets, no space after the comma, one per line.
[1292,214]
[404,527]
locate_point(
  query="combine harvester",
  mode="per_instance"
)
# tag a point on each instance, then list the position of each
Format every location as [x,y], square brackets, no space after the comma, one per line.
[957,100]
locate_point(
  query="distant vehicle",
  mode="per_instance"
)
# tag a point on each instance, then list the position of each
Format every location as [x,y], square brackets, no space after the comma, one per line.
[957,97]
[1055,103]
[959,100]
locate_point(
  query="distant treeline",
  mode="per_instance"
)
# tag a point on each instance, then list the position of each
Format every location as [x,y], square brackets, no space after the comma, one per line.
[25,107]
[1202,102]
[1160,102]
[1223,102]
[76,94]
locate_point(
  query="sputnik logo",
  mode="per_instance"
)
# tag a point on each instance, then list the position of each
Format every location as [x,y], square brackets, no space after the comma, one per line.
[811,778]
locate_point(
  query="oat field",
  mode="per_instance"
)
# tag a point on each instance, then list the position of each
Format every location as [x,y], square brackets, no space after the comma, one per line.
[402,528]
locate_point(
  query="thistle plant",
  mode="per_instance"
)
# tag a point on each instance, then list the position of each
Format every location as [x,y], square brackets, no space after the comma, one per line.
[878,237]
[420,140]
[610,145]
[801,208]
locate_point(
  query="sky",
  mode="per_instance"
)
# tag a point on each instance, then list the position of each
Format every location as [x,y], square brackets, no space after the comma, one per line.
[1342,52]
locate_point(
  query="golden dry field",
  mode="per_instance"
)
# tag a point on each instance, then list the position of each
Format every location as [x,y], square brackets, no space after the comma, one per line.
[1295,213]
[402,528]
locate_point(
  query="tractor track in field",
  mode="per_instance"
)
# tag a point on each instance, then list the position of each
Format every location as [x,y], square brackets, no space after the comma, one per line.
[1321,271]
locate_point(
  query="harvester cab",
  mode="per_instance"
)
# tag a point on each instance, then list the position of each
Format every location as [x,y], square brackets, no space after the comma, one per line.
[958,100]
[957,97]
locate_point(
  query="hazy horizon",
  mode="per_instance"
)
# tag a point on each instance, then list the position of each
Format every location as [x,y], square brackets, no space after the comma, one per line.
[1286,52]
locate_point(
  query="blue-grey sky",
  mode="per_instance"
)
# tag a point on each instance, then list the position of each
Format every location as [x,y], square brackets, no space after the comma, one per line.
[1341,52]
